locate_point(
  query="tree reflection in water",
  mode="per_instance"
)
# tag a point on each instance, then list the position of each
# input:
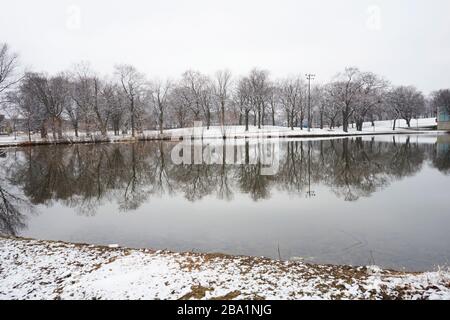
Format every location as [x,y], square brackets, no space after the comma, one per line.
[86,176]
[13,207]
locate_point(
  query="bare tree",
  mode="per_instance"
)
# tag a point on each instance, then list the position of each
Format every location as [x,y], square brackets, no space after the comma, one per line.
[199,90]
[75,115]
[118,110]
[93,99]
[27,107]
[441,100]
[370,95]
[106,104]
[243,100]
[82,95]
[206,100]
[291,97]
[405,103]
[345,92]
[30,105]
[222,92]
[193,85]
[101,92]
[8,71]
[273,101]
[180,104]
[318,103]
[331,109]
[259,86]
[53,94]
[159,95]
[132,83]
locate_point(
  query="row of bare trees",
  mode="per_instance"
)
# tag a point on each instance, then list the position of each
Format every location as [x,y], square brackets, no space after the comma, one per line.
[127,101]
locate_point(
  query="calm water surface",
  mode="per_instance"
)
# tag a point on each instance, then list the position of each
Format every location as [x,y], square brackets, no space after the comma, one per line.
[375,200]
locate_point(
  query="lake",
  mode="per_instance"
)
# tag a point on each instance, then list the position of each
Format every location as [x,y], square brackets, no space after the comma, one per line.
[380,200]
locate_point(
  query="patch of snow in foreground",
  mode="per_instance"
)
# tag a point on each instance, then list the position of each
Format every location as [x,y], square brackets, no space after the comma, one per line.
[31,269]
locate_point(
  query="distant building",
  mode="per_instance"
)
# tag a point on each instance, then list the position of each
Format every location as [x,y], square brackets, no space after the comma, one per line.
[8,126]
[443,119]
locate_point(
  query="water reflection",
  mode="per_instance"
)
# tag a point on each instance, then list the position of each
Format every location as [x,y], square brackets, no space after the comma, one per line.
[442,158]
[85,178]
[85,175]
[11,218]
[13,206]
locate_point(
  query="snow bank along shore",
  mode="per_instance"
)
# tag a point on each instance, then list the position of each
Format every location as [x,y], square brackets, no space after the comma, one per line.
[228,132]
[32,269]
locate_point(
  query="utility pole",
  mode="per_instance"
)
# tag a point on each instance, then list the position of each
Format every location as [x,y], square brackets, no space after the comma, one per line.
[310,193]
[309,77]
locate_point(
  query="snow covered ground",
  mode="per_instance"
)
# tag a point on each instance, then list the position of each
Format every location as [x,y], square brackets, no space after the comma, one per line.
[31,269]
[214,132]
[239,131]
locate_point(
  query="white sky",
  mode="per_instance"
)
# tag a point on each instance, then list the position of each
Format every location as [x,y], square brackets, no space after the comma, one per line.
[407,41]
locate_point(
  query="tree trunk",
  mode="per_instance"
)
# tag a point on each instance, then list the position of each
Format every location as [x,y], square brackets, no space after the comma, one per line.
[288,118]
[344,121]
[246,120]
[208,119]
[263,116]
[59,127]
[292,120]
[223,113]
[44,133]
[116,127]
[247,152]
[132,118]
[54,128]
[259,119]
[359,125]
[29,130]
[88,128]
[321,120]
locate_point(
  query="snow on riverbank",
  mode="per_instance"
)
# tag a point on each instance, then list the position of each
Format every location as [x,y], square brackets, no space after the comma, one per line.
[230,132]
[31,269]
[380,127]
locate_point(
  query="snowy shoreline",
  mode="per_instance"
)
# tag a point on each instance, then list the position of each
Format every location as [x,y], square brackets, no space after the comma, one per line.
[228,132]
[143,138]
[34,269]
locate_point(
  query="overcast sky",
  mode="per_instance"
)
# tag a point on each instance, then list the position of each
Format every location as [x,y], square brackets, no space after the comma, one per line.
[407,41]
